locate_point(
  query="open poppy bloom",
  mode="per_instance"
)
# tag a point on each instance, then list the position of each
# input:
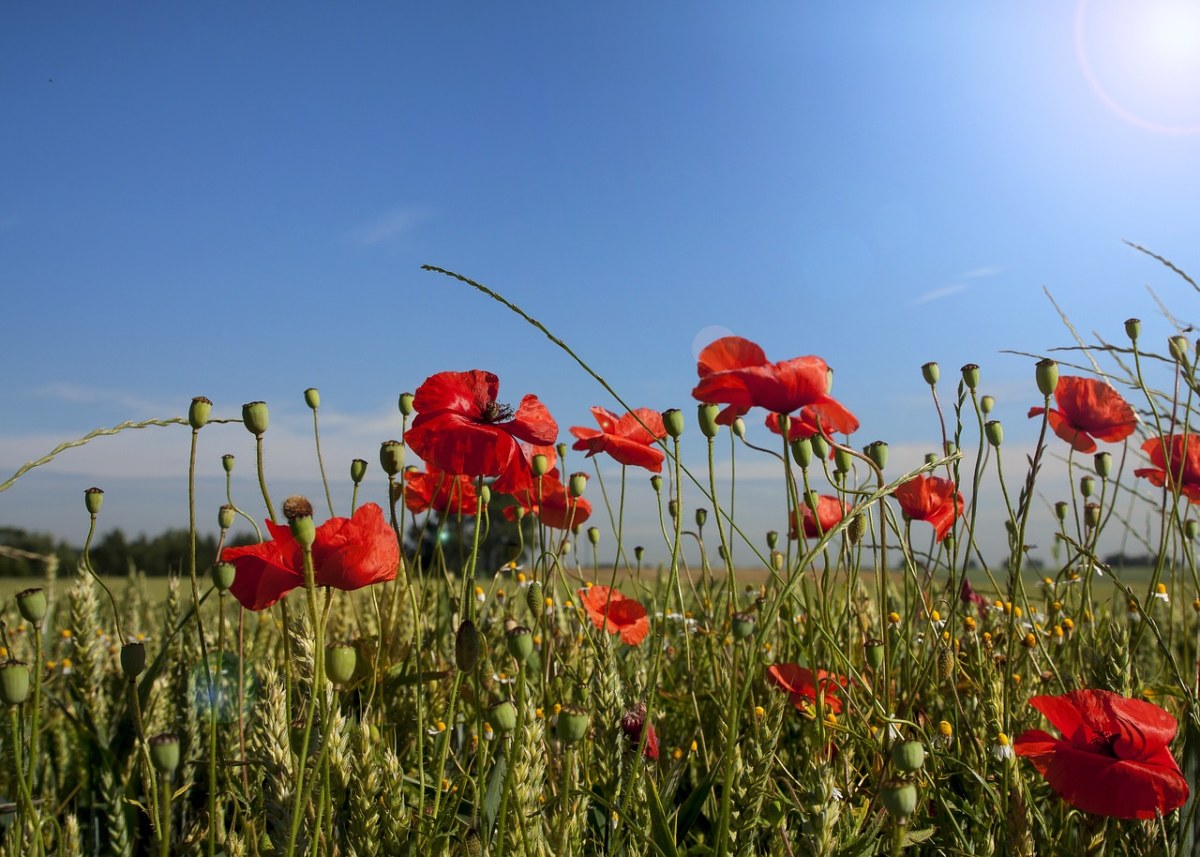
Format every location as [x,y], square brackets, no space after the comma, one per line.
[462,430]
[803,686]
[932,499]
[830,511]
[1113,758]
[826,419]
[735,372]
[612,612]
[553,504]
[632,723]
[439,491]
[629,439]
[348,554]
[1088,409]
[1184,470]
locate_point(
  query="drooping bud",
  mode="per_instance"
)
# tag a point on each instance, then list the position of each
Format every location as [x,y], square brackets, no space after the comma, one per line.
[256,418]
[227,461]
[877,451]
[908,756]
[133,659]
[1133,328]
[673,422]
[519,641]
[802,452]
[340,661]
[1103,464]
[638,553]
[739,428]
[298,511]
[701,516]
[223,574]
[225,516]
[995,432]
[164,752]
[93,499]
[930,457]
[572,724]
[358,470]
[199,412]
[931,372]
[576,484]
[707,416]
[503,717]
[468,645]
[812,500]
[1087,486]
[987,404]
[970,376]
[405,404]
[1179,346]
[1046,373]
[673,509]
[391,457]
[540,464]
[14,682]
[32,605]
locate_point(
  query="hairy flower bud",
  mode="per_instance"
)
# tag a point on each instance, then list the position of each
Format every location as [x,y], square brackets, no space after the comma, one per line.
[199,412]
[593,534]
[899,799]
[1091,515]
[256,418]
[533,599]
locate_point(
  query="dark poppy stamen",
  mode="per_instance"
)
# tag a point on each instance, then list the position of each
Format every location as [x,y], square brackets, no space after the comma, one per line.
[494,412]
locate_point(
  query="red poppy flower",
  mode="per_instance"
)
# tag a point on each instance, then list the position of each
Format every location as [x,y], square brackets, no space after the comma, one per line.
[830,511]
[803,686]
[553,504]
[831,417]
[1088,409]
[932,499]
[735,372]
[632,723]
[612,612]
[625,438]
[439,491]
[1113,758]
[348,554]
[1184,471]
[462,430]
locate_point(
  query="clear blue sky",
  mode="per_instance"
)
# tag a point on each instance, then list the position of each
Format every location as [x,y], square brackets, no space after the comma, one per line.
[234,200]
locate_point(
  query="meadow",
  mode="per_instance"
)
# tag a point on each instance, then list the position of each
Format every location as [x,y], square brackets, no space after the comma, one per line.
[870,682]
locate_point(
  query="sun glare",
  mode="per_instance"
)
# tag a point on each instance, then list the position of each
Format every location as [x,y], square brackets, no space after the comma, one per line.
[1142,60]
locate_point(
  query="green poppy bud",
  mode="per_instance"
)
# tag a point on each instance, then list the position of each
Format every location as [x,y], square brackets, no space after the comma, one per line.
[534,600]
[673,422]
[930,457]
[743,625]
[576,484]
[227,462]
[802,452]
[812,500]
[593,534]
[485,495]
[656,483]
[222,575]
[772,539]
[820,446]
[572,724]
[970,376]
[878,453]
[899,799]
[561,449]
[199,412]
[358,470]
[312,398]
[1087,486]
[164,752]
[133,659]
[1091,515]
[14,682]
[1046,373]
[673,509]
[842,460]
[225,515]
[256,418]
[1060,509]
[391,457]
[93,499]
[540,464]
[298,511]
[1133,328]
[1103,464]
[32,605]
[777,560]
[707,417]
[987,404]
[340,661]
[931,372]
[739,428]
[908,756]
[874,651]
[503,717]
[468,646]
[950,448]
[995,432]
[519,641]
[701,516]
[406,404]
[1179,346]
[638,553]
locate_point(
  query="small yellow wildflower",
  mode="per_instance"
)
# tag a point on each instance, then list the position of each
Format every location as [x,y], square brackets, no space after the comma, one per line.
[894,618]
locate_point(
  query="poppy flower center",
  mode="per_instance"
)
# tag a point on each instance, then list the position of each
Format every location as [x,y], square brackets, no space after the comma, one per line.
[1103,744]
[494,412]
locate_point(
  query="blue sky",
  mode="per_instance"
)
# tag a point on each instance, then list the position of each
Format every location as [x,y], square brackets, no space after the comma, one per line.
[233,200]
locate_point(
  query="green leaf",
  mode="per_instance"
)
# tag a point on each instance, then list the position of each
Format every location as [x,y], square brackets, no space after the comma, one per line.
[660,830]
[495,791]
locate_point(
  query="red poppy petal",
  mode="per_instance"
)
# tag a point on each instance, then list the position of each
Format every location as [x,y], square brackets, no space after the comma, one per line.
[792,677]
[1079,439]
[532,423]
[1103,785]
[350,553]
[729,352]
[605,418]
[832,417]
[633,453]
[583,435]
[263,574]
[630,619]
[461,392]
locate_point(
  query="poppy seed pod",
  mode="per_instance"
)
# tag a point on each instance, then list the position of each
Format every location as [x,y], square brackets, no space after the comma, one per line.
[572,724]
[468,646]
[485,495]
[742,625]
[802,452]
[842,460]
[256,418]
[340,661]
[930,457]
[298,511]
[1103,464]
[995,432]
[593,535]
[1060,509]
[638,553]
[1091,515]
[1133,328]
[1190,528]
[164,752]
[812,500]
[673,509]
[199,412]
[707,416]
[391,457]
[358,470]
[503,717]
[227,461]
[93,499]
[1087,486]
[899,799]
[878,453]
[32,605]
[820,446]
[133,659]
[14,682]
[970,376]
[739,428]
[987,404]
[931,372]
[656,483]
[561,449]
[519,641]
[673,422]
[312,398]
[701,516]
[772,539]
[576,484]
[225,515]
[533,599]
[540,465]
[908,756]
[1046,373]
[1178,346]
[222,575]
[874,651]
[406,404]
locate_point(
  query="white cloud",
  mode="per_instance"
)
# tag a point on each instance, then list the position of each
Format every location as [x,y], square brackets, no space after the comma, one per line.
[392,225]
[76,394]
[976,273]
[938,294]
